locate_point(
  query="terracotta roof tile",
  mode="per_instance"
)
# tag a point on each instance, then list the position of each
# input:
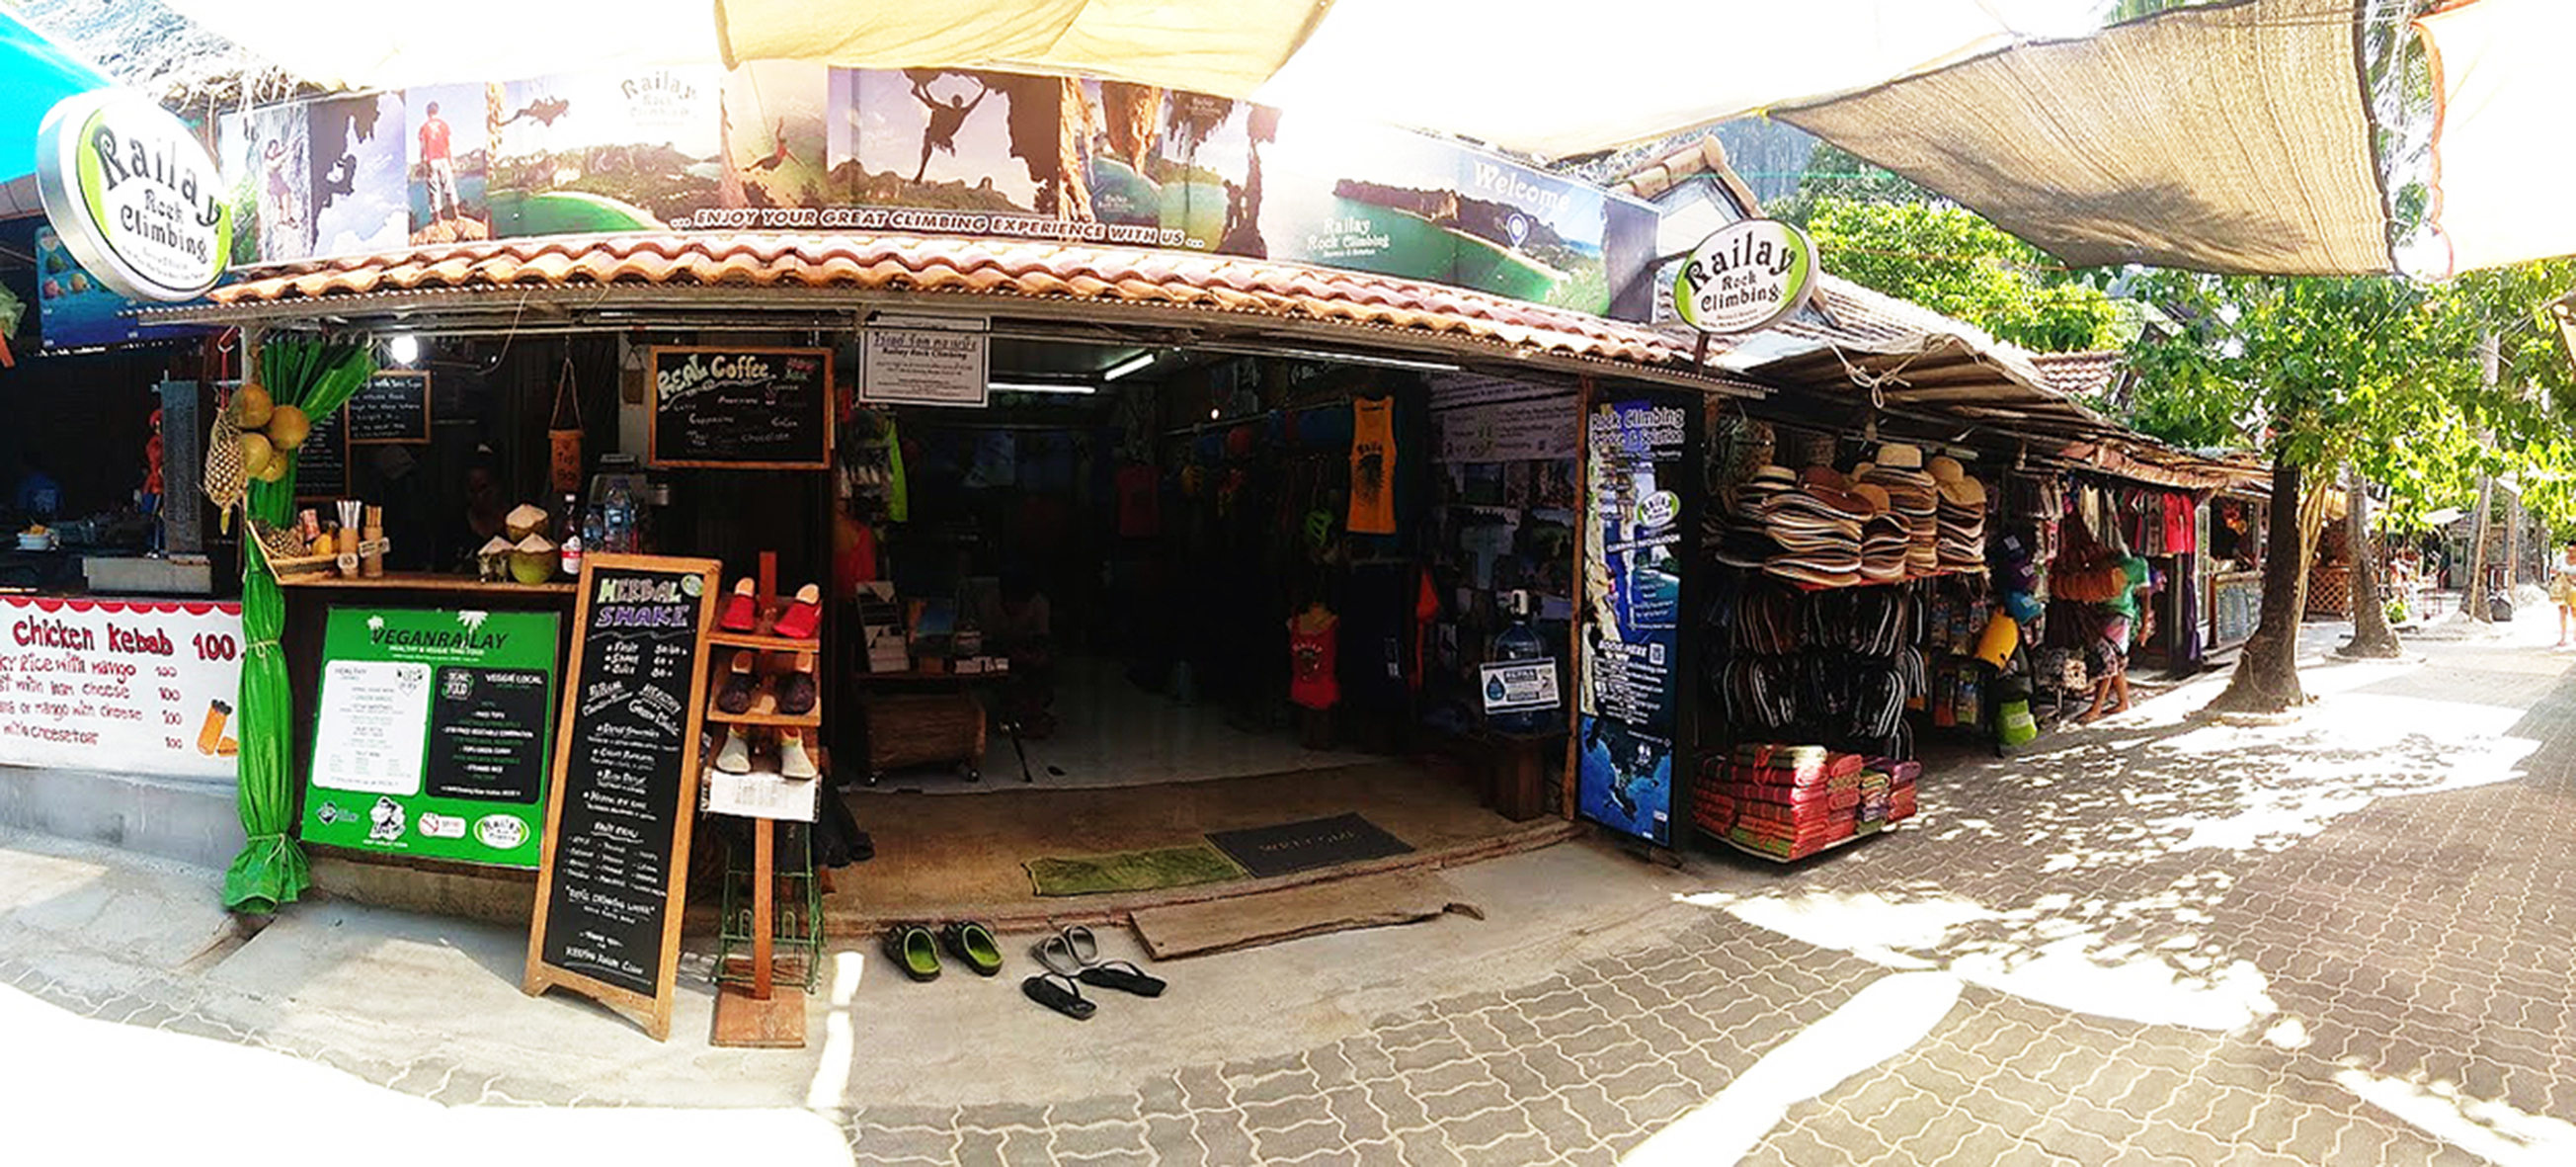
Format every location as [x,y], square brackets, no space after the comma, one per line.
[989,267]
[2080,374]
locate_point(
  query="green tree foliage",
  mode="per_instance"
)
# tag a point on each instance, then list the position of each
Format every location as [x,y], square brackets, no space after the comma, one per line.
[1838,175]
[1955,263]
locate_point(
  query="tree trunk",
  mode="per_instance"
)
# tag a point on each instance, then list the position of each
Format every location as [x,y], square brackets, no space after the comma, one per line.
[2473,590]
[2267,674]
[2371,635]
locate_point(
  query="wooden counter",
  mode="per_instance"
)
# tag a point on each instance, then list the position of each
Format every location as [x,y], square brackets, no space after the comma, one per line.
[425,582]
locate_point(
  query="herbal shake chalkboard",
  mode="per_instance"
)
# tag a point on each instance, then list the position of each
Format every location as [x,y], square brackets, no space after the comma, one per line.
[752,408]
[615,867]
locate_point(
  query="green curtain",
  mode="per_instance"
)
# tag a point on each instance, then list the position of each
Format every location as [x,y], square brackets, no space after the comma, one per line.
[318,378]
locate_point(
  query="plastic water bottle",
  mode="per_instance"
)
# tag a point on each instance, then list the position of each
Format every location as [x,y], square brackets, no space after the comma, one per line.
[1520,642]
[619,517]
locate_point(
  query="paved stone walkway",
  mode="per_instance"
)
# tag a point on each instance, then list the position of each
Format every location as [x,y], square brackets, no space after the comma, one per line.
[2339,941]
[2157,940]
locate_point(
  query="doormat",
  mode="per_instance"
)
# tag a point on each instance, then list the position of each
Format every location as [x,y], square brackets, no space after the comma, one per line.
[1293,847]
[1083,875]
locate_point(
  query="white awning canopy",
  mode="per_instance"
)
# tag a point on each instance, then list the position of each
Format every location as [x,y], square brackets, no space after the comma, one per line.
[2122,150]
[1533,76]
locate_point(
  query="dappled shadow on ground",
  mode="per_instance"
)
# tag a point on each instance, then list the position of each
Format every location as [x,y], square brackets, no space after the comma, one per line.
[2171,871]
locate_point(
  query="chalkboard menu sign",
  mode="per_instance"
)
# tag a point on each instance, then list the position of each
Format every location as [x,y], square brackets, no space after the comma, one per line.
[2235,606]
[393,407]
[752,408]
[615,865]
[322,462]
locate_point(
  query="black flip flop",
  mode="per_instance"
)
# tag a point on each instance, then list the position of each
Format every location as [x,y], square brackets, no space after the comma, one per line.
[1124,977]
[912,949]
[1064,998]
[973,943]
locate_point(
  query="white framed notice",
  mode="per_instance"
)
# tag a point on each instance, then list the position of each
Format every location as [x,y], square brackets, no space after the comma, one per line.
[925,366]
[1521,686]
[374,726]
[762,796]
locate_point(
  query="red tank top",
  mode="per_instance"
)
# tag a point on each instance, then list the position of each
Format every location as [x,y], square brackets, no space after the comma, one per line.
[1314,661]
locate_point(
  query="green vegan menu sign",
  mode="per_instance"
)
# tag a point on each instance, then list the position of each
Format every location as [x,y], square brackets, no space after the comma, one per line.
[431,734]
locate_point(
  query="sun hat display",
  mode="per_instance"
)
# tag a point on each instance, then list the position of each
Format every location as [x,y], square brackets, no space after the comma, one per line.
[1899,456]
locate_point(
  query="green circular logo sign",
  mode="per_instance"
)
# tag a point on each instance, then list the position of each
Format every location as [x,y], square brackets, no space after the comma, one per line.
[133,195]
[1747,277]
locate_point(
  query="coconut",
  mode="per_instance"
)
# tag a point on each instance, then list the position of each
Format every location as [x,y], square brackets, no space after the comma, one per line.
[256,453]
[534,560]
[251,406]
[524,521]
[275,471]
[288,427]
[494,558]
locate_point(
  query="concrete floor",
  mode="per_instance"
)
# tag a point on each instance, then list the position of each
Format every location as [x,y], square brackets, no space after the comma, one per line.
[942,858]
[1111,733]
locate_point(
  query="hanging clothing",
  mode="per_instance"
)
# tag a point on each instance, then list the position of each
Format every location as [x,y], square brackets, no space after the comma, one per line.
[2178,534]
[1426,612]
[1140,502]
[898,494]
[1314,659]
[1372,466]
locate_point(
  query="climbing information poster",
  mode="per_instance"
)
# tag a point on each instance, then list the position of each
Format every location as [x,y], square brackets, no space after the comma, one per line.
[1638,454]
[431,733]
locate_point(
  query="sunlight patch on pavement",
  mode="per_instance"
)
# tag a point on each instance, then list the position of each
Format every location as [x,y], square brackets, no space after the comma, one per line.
[1868,925]
[1885,1018]
[2053,952]
[840,1038]
[2076,975]
[2493,1130]
[85,1091]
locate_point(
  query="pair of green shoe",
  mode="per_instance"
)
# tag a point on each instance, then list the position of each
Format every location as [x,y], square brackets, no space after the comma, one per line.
[915,949]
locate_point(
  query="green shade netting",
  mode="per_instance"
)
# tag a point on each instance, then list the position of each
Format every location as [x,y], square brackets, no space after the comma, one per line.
[318,378]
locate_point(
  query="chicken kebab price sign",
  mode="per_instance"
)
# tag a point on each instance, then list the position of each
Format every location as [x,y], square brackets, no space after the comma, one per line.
[134,686]
[432,734]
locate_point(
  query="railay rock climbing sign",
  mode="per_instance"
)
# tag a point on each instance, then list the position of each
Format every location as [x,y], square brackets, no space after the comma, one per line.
[1748,276]
[133,195]
[615,867]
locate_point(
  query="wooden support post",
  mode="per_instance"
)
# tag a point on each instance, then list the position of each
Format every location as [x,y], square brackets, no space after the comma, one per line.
[767,1015]
[764,912]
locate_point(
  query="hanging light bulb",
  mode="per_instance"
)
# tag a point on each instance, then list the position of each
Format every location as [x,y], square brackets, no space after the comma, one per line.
[404,348]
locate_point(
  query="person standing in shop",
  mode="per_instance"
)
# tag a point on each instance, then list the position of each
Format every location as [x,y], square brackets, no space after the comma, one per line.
[2121,626]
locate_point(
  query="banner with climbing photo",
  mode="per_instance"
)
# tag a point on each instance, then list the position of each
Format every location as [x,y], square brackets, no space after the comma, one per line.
[776,140]
[1639,513]
[356,154]
[1334,191]
[584,152]
[977,152]
[266,157]
[448,161]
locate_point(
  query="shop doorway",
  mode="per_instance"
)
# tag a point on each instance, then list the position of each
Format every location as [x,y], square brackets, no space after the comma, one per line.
[1191,593]
[1118,570]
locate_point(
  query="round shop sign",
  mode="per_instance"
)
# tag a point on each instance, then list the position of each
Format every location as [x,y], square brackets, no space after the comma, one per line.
[133,195]
[1747,277]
